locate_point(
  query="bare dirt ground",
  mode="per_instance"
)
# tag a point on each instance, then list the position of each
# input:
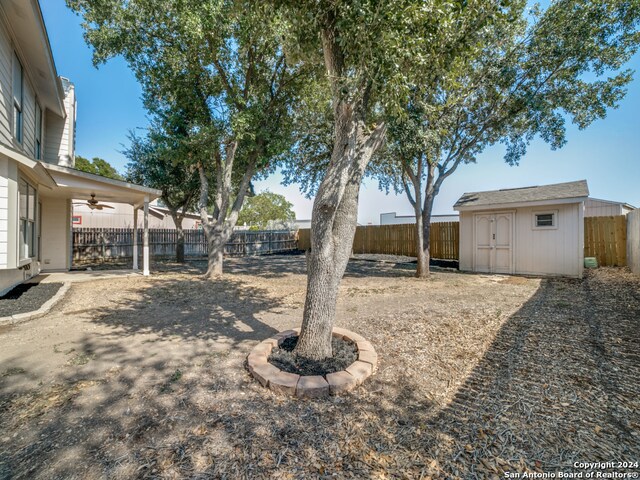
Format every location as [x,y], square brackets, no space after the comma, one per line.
[145,377]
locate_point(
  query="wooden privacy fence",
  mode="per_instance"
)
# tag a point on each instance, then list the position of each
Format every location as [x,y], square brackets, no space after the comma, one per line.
[91,245]
[400,240]
[606,239]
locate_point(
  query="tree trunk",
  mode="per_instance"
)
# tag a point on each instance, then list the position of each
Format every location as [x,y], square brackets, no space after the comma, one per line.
[225,214]
[422,270]
[180,245]
[423,217]
[217,238]
[426,229]
[326,266]
[333,226]
[177,221]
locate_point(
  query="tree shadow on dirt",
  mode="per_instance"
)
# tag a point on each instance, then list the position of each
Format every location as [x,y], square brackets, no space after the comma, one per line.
[556,385]
[278,266]
[191,308]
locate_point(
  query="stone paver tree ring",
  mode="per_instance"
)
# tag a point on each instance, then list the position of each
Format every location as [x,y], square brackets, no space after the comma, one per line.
[312,386]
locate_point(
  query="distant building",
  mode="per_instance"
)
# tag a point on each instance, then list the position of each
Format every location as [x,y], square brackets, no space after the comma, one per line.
[596,207]
[121,216]
[395,219]
[305,223]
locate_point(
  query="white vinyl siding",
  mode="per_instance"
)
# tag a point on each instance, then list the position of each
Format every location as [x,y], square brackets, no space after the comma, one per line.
[29,126]
[17,126]
[59,132]
[6,104]
[37,139]
[55,143]
[56,225]
[17,99]
[4,212]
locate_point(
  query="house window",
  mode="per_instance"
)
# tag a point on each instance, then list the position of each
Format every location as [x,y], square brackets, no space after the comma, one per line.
[545,220]
[27,220]
[38,143]
[17,98]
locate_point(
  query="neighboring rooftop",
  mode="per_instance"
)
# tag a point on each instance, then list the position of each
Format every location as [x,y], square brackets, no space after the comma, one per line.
[557,191]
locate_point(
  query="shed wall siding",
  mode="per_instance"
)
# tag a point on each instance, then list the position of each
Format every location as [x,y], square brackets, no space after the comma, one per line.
[549,252]
[466,241]
[536,251]
[633,241]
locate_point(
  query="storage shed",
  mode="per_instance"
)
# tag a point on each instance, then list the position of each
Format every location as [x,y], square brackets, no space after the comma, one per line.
[532,230]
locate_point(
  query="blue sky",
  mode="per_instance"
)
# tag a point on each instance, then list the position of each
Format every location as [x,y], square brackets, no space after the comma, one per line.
[607,154]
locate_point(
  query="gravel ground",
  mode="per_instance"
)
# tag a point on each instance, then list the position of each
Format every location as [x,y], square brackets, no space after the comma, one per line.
[478,375]
[27,298]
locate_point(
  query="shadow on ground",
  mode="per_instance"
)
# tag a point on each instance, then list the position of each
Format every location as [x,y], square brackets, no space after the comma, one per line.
[558,384]
[278,266]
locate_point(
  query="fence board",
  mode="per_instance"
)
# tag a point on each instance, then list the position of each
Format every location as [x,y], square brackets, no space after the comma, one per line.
[399,240]
[98,245]
[606,239]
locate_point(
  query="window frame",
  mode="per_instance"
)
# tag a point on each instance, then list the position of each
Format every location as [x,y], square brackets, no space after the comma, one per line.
[28,244]
[554,220]
[18,104]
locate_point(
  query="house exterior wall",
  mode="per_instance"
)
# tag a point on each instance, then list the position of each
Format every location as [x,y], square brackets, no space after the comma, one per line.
[56,215]
[557,251]
[4,212]
[57,146]
[12,270]
[60,137]
[6,56]
[633,241]
[58,133]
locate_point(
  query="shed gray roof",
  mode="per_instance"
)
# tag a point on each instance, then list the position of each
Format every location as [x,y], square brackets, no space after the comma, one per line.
[541,193]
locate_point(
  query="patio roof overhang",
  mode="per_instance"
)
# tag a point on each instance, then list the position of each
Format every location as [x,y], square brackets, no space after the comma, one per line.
[74,184]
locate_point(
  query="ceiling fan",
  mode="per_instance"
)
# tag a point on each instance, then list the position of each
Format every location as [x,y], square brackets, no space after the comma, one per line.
[93,204]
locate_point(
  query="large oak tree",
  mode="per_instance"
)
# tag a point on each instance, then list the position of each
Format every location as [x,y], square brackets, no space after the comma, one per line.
[529,76]
[373,54]
[220,65]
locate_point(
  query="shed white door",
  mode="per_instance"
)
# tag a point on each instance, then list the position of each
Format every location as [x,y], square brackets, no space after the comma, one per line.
[493,242]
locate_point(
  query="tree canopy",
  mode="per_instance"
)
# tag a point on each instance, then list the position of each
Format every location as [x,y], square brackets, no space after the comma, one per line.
[527,78]
[97,166]
[267,210]
[219,68]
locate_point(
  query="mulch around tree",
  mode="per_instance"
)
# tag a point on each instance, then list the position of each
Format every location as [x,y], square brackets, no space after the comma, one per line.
[344,354]
[27,297]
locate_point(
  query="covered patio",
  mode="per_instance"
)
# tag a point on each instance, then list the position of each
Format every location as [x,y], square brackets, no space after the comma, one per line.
[70,185]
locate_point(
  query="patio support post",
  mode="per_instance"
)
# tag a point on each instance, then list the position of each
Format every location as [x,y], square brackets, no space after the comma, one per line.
[145,238]
[135,237]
